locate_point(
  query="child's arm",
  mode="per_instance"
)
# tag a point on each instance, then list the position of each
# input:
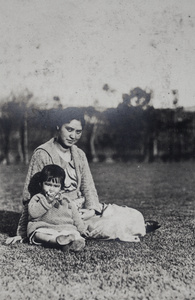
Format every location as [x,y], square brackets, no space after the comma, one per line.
[38,206]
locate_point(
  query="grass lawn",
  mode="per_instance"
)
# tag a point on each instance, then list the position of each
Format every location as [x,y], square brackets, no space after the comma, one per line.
[161,266]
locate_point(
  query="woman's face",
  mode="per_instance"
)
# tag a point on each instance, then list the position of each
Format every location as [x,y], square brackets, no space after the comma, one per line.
[70,133]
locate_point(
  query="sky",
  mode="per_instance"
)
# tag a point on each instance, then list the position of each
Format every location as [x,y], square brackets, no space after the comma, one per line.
[71,48]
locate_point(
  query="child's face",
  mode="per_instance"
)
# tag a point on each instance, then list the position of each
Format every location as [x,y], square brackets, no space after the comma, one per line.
[51,189]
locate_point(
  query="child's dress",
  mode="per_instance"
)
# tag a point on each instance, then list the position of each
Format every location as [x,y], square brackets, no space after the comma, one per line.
[56,219]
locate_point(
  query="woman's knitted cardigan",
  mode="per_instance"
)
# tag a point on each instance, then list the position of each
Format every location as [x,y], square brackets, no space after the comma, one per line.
[46,154]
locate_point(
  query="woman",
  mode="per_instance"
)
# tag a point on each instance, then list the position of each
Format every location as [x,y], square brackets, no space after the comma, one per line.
[104,221]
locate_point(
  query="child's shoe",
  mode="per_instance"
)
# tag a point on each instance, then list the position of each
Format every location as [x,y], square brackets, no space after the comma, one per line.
[63,240]
[77,245]
[65,248]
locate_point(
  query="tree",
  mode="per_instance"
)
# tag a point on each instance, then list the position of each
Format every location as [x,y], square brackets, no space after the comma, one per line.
[137,97]
[93,118]
[137,123]
[13,121]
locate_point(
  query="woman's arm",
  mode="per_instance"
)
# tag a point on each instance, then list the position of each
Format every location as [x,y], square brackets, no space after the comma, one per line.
[88,187]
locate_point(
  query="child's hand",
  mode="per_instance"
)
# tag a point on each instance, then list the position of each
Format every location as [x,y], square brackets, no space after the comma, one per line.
[50,199]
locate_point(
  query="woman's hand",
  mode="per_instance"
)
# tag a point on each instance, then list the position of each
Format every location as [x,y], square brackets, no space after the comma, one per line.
[87,213]
[14,239]
[86,233]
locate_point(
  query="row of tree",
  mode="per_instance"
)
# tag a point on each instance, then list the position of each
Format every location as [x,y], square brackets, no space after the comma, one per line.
[133,130]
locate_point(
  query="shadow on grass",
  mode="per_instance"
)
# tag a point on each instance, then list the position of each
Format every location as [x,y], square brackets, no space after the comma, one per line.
[9,222]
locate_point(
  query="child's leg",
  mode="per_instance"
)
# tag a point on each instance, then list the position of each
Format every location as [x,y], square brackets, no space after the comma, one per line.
[63,240]
[66,236]
[41,237]
[71,240]
[53,237]
[44,235]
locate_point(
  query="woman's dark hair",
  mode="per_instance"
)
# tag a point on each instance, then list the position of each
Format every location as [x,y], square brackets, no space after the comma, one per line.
[68,114]
[48,173]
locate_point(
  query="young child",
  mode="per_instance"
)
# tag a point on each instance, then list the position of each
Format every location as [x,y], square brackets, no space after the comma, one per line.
[53,220]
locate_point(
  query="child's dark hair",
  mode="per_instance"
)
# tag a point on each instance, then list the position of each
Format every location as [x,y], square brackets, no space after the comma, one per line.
[48,173]
[51,173]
